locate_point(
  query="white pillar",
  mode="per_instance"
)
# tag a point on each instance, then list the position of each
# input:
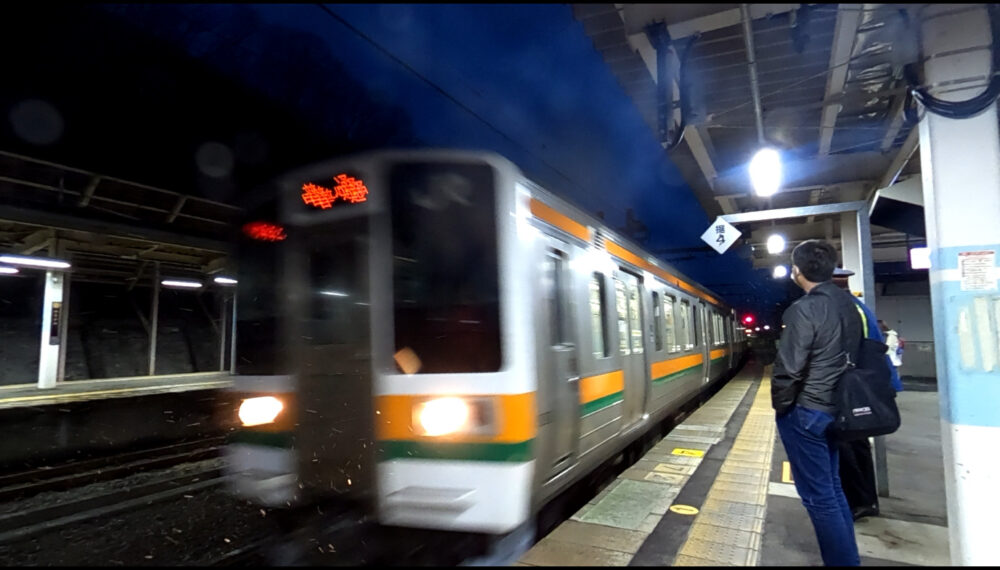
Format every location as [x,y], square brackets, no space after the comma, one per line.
[850,248]
[52,337]
[960,163]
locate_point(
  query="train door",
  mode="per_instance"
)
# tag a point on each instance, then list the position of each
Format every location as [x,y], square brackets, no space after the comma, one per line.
[704,338]
[562,376]
[327,271]
[628,300]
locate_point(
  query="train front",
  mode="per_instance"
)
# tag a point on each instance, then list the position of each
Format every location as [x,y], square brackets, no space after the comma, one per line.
[377,359]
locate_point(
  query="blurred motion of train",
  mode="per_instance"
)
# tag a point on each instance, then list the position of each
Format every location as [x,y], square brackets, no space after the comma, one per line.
[432,335]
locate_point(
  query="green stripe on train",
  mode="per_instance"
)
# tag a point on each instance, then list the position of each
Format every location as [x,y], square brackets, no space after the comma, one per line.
[602,402]
[503,452]
[267,438]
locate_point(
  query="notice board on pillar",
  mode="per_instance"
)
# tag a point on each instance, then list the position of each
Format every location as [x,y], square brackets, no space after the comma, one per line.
[54,325]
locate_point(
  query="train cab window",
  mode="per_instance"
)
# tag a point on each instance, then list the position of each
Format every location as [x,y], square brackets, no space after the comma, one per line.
[598,314]
[445,282]
[687,339]
[621,307]
[668,321]
[657,322]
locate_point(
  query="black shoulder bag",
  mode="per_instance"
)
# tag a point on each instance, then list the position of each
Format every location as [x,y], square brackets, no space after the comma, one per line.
[865,398]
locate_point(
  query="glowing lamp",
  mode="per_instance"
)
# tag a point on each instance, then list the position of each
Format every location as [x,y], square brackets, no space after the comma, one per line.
[765,172]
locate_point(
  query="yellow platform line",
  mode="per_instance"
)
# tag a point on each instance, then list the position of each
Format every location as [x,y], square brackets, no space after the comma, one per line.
[584,541]
[719,534]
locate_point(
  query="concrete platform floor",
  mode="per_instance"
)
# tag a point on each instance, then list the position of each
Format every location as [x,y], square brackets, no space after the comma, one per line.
[912,528]
[713,493]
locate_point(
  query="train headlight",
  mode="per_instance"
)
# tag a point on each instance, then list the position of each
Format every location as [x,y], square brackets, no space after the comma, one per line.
[443,416]
[259,411]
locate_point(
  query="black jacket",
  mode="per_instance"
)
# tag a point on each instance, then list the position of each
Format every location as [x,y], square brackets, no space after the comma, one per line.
[811,357]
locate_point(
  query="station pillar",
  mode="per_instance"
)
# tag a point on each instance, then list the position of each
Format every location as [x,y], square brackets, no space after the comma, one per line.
[960,163]
[51,358]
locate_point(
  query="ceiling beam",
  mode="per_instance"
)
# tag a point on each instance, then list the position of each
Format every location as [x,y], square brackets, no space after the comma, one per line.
[35,241]
[799,212]
[700,143]
[844,34]
[128,231]
[897,123]
[638,16]
[899,161]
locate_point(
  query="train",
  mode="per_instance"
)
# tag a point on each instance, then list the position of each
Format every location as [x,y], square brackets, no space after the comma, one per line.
[432,335]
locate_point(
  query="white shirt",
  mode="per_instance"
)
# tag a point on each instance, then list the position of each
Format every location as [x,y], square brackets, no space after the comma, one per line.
[892,340]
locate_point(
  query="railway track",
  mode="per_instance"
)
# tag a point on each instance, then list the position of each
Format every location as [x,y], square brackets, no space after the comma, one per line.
[25,484]
[22,524]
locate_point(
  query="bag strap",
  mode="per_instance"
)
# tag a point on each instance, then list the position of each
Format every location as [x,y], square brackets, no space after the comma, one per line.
[842,317]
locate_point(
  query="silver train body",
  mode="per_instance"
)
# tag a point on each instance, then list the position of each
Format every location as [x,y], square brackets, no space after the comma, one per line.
[436,336]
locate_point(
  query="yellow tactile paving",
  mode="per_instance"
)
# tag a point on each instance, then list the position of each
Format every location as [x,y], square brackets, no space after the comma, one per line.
[631,507]
[728,529]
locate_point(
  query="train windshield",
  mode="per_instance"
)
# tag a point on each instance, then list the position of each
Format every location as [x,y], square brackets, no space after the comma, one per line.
[258,248]
[445,268]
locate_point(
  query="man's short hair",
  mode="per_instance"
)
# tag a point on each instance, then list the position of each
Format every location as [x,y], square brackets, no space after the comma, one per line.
[815,259]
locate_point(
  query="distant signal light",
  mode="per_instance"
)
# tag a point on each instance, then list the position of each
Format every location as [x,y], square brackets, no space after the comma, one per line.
[264,231]
[748,319]
[347,188]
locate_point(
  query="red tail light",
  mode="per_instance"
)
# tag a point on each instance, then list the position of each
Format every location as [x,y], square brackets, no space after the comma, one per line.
[264,231]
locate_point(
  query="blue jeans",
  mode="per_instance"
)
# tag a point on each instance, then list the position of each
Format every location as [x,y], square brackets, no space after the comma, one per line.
[816,468]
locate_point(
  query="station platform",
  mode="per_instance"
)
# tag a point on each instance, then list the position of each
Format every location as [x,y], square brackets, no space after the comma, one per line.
[21,395]
[715,492]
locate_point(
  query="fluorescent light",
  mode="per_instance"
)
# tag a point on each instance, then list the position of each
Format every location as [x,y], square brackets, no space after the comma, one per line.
[34,261]
[780,272]
[333,293]
[8,270]
[180,283]
[920,258]
[765,172]
[775,243]
[225,281]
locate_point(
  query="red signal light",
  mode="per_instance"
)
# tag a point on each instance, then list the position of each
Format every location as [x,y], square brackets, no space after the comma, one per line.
[264,231]
[748,319]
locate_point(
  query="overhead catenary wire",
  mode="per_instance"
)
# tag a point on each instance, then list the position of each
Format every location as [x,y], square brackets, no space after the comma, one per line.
[441,90]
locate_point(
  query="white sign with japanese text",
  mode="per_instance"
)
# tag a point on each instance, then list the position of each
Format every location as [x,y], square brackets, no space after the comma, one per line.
[977,270]
[720,235]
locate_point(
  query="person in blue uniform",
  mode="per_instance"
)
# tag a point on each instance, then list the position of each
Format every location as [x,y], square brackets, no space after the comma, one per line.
[857,471]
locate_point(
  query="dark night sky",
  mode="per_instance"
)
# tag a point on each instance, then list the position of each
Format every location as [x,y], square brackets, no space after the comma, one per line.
[522,80]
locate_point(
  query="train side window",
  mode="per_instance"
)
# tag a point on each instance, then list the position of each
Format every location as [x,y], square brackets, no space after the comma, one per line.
[657,322]
[668,320]
[621,307]
[598,312]
[635,322]
[687,338]
[697,336]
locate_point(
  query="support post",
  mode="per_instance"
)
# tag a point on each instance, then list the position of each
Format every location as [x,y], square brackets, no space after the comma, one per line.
[53,319]
[222,330]
[960,163]
[856,248]
[232,339]
[154,319]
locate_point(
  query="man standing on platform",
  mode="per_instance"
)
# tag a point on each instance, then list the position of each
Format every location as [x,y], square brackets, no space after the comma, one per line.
[807,370]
